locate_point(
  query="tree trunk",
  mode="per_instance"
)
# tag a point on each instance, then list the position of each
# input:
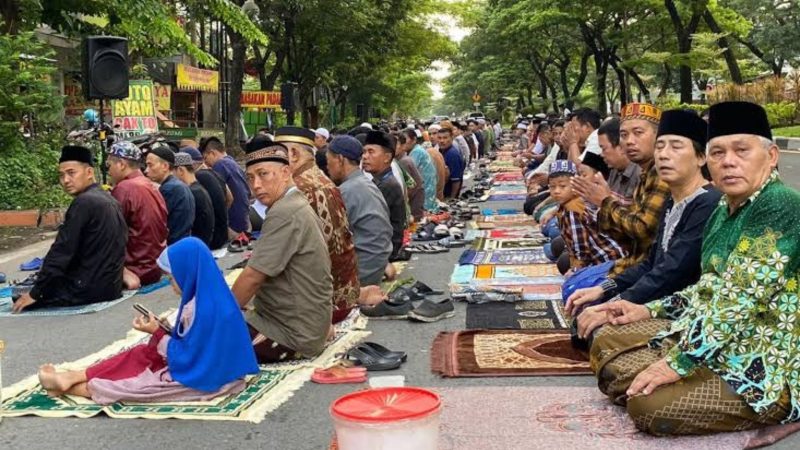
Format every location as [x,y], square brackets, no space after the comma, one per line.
[235,93]
[684,35]
[727,51]
[584,71]
[600,72]
[623,86]
[9,10]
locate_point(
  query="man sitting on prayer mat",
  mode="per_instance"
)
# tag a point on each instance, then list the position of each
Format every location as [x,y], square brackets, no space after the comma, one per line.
[634,225]
[203,225]
[722,354]
[145,214]
[327,203]
[84,264]
[288,278]
[178,197]
[367,212]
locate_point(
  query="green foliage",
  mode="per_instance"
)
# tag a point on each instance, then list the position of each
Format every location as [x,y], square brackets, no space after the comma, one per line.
[667,105]
[29,172]
[787,131]
[781,114]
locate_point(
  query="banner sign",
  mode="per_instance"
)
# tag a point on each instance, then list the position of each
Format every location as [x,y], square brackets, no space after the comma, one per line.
[261,99]
[195,79]
[163,96]
[135,114]
[74,102]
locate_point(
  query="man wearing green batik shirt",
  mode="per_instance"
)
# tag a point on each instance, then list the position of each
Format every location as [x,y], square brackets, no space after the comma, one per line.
[723,354]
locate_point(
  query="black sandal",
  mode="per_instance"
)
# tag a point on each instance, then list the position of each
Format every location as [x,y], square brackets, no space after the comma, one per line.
[370,359]
[421,288]
[385,351]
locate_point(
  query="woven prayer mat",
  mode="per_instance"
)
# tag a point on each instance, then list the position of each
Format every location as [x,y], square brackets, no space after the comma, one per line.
[6,303]
[501,211]
[523,315]
[501,293]
[507,177]
[508,188]
[266,391]
[520,275]
[502,353]
[522,232]
[508,243]
[504,257]
[506,197]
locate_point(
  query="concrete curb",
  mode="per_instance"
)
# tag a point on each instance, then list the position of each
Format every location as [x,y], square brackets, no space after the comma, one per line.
[787,143]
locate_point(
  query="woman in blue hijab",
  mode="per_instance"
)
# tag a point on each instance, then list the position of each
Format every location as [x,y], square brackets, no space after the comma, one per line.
[207,354]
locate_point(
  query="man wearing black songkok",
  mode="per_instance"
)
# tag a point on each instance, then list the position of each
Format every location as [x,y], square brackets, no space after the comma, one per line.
[84,264]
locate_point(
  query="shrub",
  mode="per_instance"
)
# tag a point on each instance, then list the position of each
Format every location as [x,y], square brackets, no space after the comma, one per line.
[29,172]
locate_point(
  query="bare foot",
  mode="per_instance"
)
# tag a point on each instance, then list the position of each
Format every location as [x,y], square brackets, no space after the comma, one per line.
[390,273]
[331,333]
[51,382]
[371,295]
[129,280]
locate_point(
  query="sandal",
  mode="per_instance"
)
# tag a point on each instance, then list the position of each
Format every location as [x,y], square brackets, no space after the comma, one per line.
[34,264]
[403,295]
[239,244]
[385,351]
[339,374]
[422,288]
[372,360]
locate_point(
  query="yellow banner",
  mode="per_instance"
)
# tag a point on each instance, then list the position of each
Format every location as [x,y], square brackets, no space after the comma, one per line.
[195,79]
[135,114]
[163,96]
[261,99]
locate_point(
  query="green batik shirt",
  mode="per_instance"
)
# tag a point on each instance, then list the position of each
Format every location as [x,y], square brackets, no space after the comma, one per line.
[742,319]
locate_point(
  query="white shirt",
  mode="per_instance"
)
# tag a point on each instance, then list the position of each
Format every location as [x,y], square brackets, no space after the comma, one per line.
[592,145]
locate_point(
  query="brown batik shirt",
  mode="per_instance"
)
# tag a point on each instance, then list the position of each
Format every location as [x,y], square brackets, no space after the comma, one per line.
[327,202]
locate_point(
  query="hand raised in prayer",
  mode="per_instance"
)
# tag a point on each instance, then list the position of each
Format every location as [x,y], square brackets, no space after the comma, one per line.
[593,190]
[581,297]
[589,320]
[23,302]
[568,137]
[146,324]
[658,374]
[623,312]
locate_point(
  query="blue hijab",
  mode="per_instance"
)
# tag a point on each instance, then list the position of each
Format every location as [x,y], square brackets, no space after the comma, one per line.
[216,349]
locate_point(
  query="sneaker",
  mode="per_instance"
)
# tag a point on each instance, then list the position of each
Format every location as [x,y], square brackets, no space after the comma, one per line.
[432,311]
[388,310]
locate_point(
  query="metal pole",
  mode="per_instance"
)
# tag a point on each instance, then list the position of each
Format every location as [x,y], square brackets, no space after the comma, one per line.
[102,136]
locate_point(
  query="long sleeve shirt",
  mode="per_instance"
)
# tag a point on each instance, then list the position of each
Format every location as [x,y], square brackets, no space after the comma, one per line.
[634,225]
[84,264]
[180,208]
[393,196]
[586,244]
[741,319]
[430,179]
[673,262]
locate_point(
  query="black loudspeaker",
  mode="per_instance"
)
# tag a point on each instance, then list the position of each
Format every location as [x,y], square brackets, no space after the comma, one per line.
[287,97]
[105,67]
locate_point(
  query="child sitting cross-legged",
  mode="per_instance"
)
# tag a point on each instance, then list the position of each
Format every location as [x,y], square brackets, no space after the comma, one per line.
[584,242]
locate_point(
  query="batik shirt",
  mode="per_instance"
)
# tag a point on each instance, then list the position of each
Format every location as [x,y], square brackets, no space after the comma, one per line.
[326,200]
[586,244]
[742,319]
[635,225]
[429,178]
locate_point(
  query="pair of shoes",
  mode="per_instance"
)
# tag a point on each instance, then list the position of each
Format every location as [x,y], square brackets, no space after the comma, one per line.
[374,357]
[433,311]
[388,310]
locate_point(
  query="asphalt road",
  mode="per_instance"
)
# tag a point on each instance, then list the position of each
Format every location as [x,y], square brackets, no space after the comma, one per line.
[301,423]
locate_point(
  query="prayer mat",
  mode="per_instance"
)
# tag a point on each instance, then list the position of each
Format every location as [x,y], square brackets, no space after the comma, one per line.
[522,232]
[509,177]
[265,392]
[508,188]
[508,243]
[504,257]
[506,197]
[501,293]
[501,211]
[503,353]
[523,315]
[489,275]
[6,304]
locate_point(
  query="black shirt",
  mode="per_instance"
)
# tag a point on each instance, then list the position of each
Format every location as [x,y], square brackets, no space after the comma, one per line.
[322,159]
[203,227]
[215,188]
[393,194]
[84,264]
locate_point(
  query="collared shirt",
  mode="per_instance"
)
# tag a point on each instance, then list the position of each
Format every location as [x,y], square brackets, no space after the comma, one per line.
[586,244]
[741,319]
[635,225]
[238,213]
[430,180]
[368,216]
[327,203]
[393,196]
[592,145]
[293,305]
[456,167]
[552,155]
[145,214]
[180,208]
[623,183]
[84,264]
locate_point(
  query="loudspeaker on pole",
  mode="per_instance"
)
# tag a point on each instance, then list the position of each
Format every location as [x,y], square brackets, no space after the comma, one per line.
[105,67]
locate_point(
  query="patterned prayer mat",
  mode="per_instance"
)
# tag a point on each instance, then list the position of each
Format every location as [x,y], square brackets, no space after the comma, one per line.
[271,387]
[509,177]
[489,275]
[501,211]
[506,197]
[502,353]
[501,293]
[6,303]
[523,232]
[508,243]
[504,257]
[523,315]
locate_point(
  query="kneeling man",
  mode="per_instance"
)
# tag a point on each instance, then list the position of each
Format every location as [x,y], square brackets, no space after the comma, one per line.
[288,277]
[84,264]
[722,354]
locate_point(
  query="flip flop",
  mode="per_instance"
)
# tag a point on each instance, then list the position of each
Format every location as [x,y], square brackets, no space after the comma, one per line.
[339,375]
[34,264]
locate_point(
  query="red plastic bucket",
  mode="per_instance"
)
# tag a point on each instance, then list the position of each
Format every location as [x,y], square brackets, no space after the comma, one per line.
[396,418]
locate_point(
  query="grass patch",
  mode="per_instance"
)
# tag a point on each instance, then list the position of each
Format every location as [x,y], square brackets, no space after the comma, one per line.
[787,131]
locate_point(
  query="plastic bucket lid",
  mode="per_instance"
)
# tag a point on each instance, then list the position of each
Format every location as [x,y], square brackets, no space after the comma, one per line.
[386,405]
